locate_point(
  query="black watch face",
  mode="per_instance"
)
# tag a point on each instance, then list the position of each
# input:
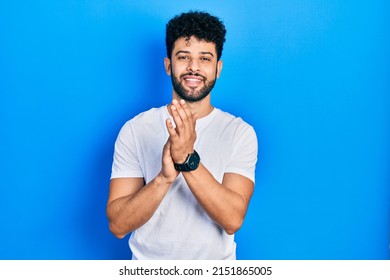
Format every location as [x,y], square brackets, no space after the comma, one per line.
[193,161]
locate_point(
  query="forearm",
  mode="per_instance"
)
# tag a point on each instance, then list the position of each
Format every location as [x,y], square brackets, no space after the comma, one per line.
[130,212]
[225,207]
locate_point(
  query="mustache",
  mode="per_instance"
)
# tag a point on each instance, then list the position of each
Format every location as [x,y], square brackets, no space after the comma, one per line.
[193,74]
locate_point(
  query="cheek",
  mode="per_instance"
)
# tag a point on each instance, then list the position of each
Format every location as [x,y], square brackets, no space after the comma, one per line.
[176,69]
[213,73]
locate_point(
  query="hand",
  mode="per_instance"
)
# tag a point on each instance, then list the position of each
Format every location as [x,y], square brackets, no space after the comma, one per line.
[182,136]
[168,170]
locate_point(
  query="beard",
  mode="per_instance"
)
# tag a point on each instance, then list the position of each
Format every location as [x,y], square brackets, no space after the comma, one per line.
[192,95]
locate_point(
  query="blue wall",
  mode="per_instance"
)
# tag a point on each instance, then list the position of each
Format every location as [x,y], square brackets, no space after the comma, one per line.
[312,77]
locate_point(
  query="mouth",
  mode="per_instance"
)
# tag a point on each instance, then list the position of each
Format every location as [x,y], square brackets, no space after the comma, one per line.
[192,81]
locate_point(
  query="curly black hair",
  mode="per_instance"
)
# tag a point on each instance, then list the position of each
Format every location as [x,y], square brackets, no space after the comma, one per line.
[202,25]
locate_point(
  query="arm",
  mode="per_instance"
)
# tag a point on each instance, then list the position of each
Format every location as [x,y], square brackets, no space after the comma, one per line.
[227,202]
[131,204]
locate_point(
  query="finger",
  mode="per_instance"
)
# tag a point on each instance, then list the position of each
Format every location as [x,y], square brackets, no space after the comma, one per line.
[188,118]
[171,130]
[191,116]
[177,119]
[166,156]
[167,146]
[184,113]
[185,107]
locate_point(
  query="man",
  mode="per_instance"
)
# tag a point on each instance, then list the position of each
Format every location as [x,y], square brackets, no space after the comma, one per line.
[183,174]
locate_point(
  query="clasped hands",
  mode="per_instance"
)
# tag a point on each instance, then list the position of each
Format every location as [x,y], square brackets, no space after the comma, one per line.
[181,139]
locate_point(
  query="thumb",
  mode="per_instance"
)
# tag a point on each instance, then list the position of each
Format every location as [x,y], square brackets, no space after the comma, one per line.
[167,148]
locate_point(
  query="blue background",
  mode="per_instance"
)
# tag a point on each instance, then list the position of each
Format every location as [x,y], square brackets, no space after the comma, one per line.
[312,77]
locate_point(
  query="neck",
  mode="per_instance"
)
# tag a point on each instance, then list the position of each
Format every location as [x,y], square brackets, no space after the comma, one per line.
[202,108]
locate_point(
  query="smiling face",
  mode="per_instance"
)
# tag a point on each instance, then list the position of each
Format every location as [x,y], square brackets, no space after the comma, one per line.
[193,68]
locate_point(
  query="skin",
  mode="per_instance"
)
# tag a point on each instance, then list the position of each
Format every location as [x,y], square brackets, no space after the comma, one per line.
[131,203]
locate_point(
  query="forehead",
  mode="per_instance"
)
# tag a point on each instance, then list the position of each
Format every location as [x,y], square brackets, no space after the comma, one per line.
[193,45]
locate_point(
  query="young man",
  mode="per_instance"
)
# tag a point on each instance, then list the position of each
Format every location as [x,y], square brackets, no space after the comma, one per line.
[183,174]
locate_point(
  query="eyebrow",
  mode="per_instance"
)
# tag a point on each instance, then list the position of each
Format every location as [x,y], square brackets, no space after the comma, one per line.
[188,52]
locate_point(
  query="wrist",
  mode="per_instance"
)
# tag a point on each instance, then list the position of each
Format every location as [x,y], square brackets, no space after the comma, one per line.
[163,180]
[182,158]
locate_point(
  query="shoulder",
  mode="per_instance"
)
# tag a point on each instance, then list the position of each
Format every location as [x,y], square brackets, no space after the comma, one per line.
[146,118]
[233,122]
[145,123]
[149,115]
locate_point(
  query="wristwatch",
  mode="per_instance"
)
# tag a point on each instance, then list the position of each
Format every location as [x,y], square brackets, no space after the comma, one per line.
[191,163]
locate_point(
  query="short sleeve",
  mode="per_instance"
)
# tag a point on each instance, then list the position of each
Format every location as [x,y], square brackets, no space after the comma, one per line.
[244,156]
[126,162]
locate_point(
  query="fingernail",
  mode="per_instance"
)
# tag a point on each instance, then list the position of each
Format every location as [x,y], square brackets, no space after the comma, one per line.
[182,101]
[174,101]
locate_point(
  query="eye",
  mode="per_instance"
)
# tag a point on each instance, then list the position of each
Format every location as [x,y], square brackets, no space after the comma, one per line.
[205,58]
[183,57]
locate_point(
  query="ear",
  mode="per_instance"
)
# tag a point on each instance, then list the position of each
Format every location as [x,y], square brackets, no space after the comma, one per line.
[167,65]
[219,68]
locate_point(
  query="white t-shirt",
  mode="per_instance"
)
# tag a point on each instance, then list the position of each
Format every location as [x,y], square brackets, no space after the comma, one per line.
[180,228]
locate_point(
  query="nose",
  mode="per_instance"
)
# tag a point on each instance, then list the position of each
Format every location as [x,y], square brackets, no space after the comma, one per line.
[193,65]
